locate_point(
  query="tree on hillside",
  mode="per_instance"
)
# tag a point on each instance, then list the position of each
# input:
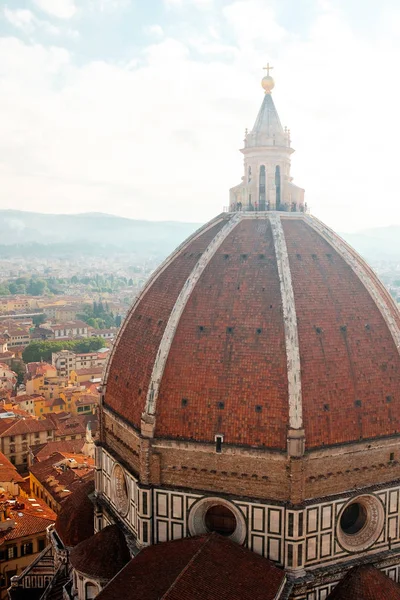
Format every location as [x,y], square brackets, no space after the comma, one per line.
[17,289]
[36,287]
[97,315]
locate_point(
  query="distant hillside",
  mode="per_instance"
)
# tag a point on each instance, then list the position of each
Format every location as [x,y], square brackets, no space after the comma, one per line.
[88,233]
[36,234]
[379,243]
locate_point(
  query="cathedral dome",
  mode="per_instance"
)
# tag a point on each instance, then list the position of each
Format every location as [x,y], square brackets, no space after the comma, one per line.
[259,324]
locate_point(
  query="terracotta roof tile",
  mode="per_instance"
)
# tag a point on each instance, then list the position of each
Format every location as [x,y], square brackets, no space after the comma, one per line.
[207,567]
[66,424]
[143,330]
[89,556]
[8,471]
[89,372]
[43,451]
[58,482]
[226,368]
[30,516]
[365,583]
[27,425]
[73,530]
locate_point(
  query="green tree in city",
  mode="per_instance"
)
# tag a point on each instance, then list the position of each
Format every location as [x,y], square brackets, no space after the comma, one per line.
[43,349]
[39,319]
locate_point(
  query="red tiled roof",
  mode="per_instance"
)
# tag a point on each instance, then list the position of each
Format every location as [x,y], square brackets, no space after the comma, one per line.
[89,556]
[88,399]
[30,517]
[55,402]
[6,424]
[365,583]
[207,567]
[73,530]
[69,325]
[58,482]
[39,368]
[89,372]
[27,425]
[228,356]
[66,424]
[27,398]
[8,472]
[43,451]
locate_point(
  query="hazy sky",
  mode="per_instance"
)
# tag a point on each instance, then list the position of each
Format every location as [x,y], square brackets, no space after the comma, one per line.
[138,107]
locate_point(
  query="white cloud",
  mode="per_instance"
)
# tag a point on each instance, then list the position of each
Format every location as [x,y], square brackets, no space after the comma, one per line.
[20,18]
[154,30]
[62,9]
[27,22]
[158,137]
[254,21]
[189,3]
[108,6]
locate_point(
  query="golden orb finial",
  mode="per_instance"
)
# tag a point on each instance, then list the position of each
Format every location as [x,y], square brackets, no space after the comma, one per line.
[267,82]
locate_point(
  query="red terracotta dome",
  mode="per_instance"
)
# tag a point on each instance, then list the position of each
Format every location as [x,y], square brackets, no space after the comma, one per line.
[258,323]
[89,557]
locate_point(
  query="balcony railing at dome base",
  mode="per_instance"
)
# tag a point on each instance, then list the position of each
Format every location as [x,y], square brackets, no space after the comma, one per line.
[293,207]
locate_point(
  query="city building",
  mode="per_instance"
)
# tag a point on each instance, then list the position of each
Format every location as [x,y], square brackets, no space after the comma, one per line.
[107,334]
[41,452]
[49,573]
[28,403]
[18,434]
[61,313]
[16,334]
[18,304]
[87,404]
[23,525]
[56,477]
[89,375]
[69,329]
[66,361]
[10,479]
[8,378]
[6,356]
[73,427]
[250,414]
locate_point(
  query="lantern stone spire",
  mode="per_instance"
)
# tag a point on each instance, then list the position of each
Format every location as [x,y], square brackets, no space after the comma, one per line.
[267,184]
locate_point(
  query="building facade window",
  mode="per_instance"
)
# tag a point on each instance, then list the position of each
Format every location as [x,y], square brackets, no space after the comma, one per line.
[26,548]
[91,590]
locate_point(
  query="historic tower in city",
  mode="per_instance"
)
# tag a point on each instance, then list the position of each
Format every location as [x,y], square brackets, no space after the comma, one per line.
[254,392]
[266,183]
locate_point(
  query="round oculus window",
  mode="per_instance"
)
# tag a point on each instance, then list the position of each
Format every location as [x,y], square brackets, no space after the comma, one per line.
[360,523]
[353,519]
[217,515]
[220,518]
[121,495]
